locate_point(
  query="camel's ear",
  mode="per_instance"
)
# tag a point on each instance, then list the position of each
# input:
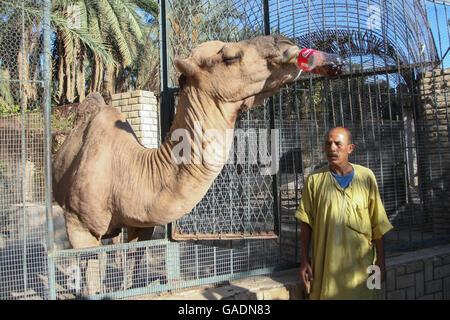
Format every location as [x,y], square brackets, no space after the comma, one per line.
[288,55]
[186,67]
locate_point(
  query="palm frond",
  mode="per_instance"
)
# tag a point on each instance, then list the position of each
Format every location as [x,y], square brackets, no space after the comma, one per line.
[150,6]
[83,33]
[106,10]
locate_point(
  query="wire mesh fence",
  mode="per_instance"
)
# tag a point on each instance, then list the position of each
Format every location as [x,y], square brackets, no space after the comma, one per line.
[23,206]
[113,272]
[240,203]
[393,96]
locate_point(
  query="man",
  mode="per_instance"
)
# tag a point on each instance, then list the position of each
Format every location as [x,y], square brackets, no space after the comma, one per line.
[342,210]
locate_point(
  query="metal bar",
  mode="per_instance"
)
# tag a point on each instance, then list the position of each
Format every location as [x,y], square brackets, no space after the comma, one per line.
[125,269]
[361,95]
[215,260]
[102,273]
[275,177]
[185,284]
[393,153]
[224,236]
[402,136]
[418,122]
[349,79]
[167,108]
[442,62]
[47,145]
[110,248]
[436,106]
[297,198]
[410,76]
[167,101]
[23,156]
[196,261]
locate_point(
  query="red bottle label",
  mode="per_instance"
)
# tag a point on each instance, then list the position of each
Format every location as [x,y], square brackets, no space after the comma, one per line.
[303,58]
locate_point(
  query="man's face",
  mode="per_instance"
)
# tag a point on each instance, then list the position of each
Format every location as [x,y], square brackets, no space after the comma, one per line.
[337,147]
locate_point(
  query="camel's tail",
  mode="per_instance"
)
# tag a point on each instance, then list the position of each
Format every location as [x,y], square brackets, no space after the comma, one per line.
[90,106]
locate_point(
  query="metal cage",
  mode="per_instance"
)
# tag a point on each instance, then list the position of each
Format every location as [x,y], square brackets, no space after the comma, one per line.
[392,95]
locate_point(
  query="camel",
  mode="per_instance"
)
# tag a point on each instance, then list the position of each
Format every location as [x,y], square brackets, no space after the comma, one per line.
[104,179]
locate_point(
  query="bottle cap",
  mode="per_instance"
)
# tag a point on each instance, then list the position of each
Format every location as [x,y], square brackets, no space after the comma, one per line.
[303,58]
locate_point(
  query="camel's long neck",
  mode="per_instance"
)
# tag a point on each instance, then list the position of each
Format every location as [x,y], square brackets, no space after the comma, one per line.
[200,133]
[193,153]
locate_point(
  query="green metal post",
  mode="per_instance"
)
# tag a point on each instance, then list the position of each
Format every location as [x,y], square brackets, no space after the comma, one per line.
[276,204]
[47,145]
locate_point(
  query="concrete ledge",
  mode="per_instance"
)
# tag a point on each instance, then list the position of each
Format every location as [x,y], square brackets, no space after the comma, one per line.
[421,254]
[420,274]
[284,285]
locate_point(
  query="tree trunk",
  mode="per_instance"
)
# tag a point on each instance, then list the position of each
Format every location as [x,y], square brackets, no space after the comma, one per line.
[109,83]
[81,68]
[60,96]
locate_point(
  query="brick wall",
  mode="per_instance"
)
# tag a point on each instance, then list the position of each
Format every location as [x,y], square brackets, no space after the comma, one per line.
[434,146]
[418,275]
[141,110]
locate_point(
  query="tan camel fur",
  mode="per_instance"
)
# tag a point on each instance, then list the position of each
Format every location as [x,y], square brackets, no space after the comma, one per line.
[105,180]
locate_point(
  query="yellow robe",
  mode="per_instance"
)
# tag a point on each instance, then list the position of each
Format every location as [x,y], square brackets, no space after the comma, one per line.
[343,224]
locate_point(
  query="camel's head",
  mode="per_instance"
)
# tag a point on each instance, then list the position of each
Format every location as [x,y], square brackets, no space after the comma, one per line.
[241,73]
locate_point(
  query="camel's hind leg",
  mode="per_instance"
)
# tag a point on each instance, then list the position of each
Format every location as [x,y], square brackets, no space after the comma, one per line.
[137,258]
[80,238]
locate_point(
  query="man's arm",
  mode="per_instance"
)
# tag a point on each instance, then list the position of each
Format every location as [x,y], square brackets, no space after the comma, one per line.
[380,262]
[305,268]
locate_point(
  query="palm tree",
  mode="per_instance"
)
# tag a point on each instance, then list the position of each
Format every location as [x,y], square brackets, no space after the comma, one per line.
[118,35]
[19,52]
[96,52]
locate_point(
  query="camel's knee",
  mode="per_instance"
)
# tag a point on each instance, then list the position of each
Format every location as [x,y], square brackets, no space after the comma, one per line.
[79,236]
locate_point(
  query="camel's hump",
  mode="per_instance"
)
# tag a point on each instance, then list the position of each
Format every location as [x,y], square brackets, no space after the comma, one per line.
[91,105]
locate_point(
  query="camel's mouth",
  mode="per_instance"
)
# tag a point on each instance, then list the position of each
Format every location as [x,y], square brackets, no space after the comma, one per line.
[253,100]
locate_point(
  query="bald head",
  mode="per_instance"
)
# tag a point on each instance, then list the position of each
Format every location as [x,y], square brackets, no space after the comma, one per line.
[339,130]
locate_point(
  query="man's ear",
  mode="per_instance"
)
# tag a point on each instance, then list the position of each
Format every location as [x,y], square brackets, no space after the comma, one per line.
[351,147]
[186,67]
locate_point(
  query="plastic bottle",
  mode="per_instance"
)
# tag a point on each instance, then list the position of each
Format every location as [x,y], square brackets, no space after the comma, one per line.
[319,62]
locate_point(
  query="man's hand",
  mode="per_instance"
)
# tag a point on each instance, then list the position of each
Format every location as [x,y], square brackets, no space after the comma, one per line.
[379,244]
[306,275]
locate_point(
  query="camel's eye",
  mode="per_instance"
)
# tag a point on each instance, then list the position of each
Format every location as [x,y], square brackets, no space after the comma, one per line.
[233,59]
[230,54]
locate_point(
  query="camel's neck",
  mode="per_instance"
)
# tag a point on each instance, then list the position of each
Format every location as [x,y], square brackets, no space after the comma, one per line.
[193,153]
[201,134]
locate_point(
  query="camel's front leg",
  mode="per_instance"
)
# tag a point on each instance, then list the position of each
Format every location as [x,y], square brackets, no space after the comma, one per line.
[80,238]
[137,258]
